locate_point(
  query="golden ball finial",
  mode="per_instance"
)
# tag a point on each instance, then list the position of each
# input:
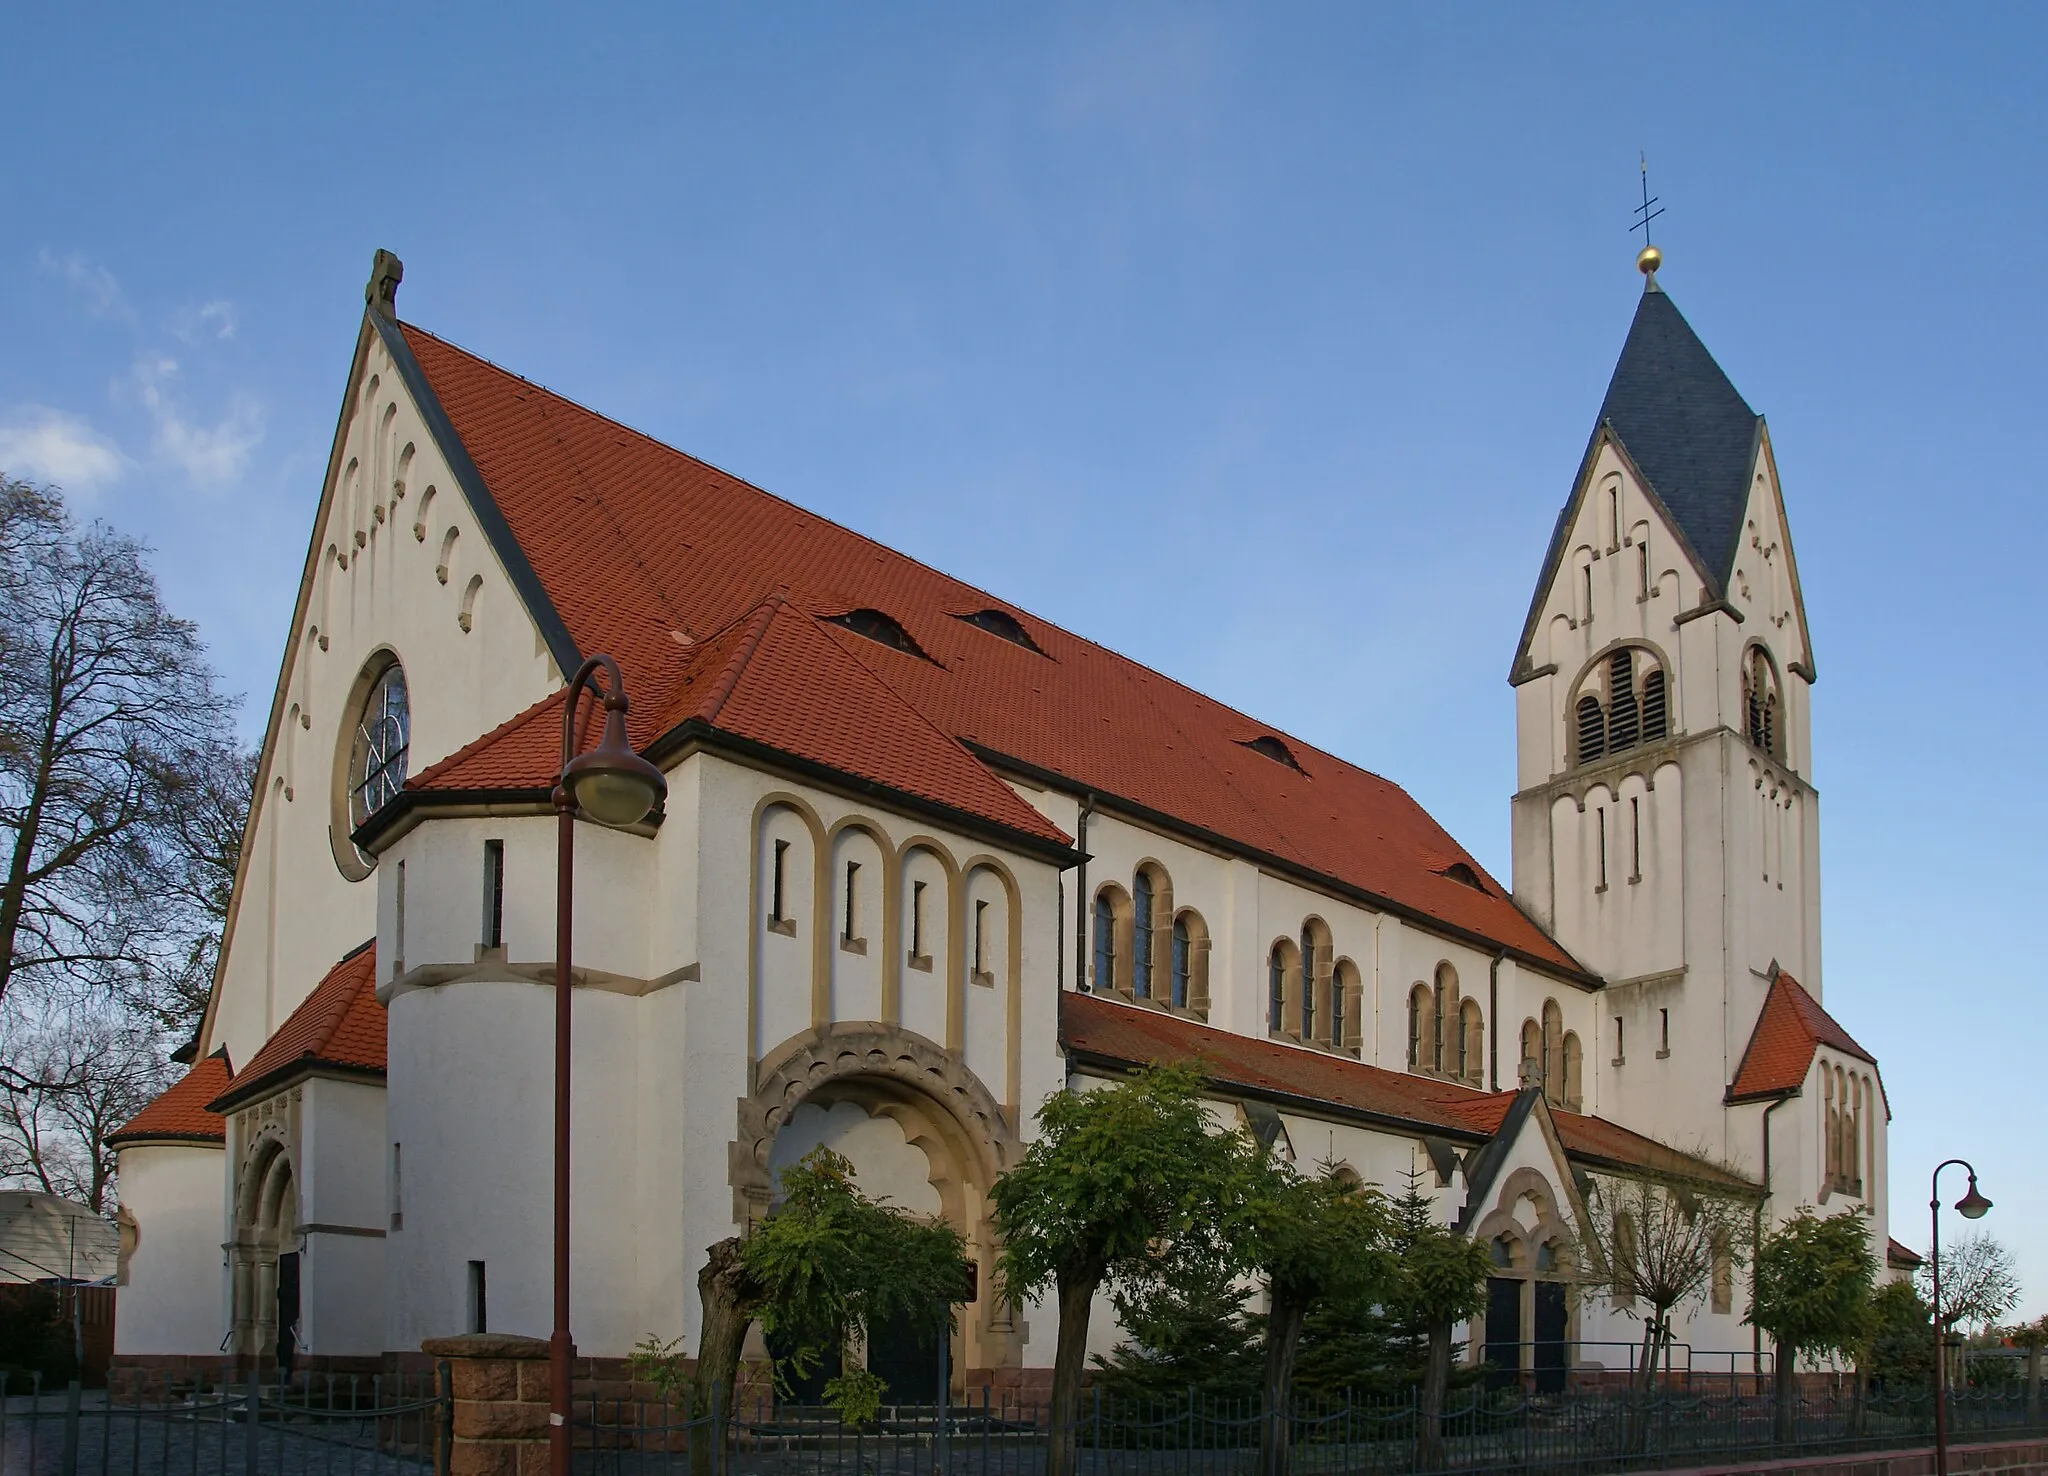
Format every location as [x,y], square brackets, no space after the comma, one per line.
[1648,260]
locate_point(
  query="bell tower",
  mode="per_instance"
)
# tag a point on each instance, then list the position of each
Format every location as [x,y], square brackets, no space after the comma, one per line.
[1665,820]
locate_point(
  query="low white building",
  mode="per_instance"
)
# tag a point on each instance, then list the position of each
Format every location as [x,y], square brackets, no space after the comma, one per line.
[926,859]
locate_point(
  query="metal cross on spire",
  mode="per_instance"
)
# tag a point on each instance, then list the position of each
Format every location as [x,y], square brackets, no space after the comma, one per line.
[1649,258]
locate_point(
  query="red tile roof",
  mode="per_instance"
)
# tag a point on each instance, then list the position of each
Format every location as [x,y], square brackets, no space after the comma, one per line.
[340,1024]
[1107,1030]
[648,553]
[1901,1257]
[1789,1028]
[180,1113]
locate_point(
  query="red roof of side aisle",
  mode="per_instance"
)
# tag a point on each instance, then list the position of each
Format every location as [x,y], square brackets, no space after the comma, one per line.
[1092,1027]
[339,1025]
[180,1114]
[1789,1029]
[652,555]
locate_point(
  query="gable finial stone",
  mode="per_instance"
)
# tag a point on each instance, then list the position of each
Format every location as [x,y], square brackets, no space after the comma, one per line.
[381,292]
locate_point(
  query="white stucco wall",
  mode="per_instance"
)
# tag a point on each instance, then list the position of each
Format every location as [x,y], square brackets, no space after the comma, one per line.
[172,1300]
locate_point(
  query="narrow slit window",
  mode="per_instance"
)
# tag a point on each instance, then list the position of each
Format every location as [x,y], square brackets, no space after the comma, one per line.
[398,922]
[1600,813]
[775,899]
[479,1302]
[1586,581]
[1178,986]
[1643,568]
[398,1186]
[494,894]
[1614,517]
[1664,1032]
[917,919]
[981,937]
[852,905]
[1619,1053]
[1635,837]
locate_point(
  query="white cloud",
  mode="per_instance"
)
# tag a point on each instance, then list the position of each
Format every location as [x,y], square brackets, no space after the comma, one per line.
[214,319]
[44,445]
[102,294]
[212,456]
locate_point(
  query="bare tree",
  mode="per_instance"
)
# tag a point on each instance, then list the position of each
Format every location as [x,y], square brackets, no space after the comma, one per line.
[74,1075]
[1661,1243]
[110,723]
[122,798]
[1980,1282]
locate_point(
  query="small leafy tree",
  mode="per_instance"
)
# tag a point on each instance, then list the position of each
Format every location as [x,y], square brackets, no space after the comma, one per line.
[1899,1353]
[1118,1181]
[1811,1292]
[830,1260]
[1440,1281]
[1661,1243]
[1313,1238]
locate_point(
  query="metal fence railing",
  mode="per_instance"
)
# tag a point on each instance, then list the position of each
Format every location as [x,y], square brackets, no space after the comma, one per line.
[1578,1432]
[310,1425]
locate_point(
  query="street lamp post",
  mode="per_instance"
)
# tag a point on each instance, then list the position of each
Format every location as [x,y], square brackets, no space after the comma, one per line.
[1971,1207]
[614,786]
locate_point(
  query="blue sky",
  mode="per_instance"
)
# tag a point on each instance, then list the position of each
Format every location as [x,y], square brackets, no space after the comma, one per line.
[1260,343]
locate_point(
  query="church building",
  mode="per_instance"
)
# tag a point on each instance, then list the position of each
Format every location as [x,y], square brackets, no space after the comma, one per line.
[925,859]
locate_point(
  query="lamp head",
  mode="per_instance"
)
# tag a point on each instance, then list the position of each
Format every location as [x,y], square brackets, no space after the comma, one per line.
[1972,1205]
[612,784]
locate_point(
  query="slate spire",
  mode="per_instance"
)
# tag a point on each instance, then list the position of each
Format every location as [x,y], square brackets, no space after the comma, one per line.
[1686,428]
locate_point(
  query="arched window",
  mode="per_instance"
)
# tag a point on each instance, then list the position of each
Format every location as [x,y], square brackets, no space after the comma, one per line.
[1318,1021]
[1276,988]
[379,745]
[1574,1071]
[1189,964]
[1141,934]
[1760,702]
[1308,992]
[1421,1028]
[1532,1053]
[1553,1052]
[1471,1043]
[1622,703]
[1105,942]
[1347,995]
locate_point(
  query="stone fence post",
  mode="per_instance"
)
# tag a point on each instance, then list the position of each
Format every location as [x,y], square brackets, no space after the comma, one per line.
[500,1383]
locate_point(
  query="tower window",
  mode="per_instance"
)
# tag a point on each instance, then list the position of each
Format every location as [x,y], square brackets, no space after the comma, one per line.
[849,930]
[1600,815]
[1586,579]
[980,938]
[916,920]
[1760,702]
[1635,837]
[1621,703]
[479,1306]
[775,913]
[1643,569]
[1663,1033]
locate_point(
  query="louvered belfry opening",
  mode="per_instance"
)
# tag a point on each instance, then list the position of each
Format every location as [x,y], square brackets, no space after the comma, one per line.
[1624,719]
[1655,723]
[1617,711]
[1761,698]
[1592,729]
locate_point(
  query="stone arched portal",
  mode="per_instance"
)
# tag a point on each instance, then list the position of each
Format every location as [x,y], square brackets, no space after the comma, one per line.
[264,1255]
[942,1109]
